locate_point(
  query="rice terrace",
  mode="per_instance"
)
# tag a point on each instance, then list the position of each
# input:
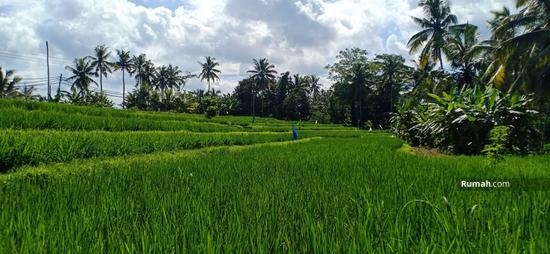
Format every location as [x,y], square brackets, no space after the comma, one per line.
[445,149]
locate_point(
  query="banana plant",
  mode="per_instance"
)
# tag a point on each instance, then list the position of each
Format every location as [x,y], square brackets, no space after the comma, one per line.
[459,121]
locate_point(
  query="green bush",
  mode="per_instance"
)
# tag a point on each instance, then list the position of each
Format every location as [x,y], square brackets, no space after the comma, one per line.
[460,121]
[211,112]
[499,145]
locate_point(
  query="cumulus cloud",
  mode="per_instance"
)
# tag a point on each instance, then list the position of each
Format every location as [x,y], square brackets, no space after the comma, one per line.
[301,36]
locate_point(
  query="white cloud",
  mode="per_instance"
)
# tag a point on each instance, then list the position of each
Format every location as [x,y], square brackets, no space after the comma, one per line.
[299,36]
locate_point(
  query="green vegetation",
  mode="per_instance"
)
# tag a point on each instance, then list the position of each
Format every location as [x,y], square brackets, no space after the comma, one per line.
[460,122]
[304,197]
[500,143]
[365,92]
[336,189]
[39,119]
[19,148]
[193,172]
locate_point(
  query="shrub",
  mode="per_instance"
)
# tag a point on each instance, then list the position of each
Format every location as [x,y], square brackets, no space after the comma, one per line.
[499,145]
[211,111]
[460,121]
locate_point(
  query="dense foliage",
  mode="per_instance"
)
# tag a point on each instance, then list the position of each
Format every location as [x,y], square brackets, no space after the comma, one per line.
[455,112]
[460,121]
[364,89]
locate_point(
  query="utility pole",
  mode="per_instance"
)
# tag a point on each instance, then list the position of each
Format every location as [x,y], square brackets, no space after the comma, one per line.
[59,86]
[48,66]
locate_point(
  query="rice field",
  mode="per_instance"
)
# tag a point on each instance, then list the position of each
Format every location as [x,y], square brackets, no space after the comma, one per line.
[334,190]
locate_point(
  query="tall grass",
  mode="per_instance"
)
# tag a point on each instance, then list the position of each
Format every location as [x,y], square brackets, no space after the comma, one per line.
[17,118]
[19,148]
[38,119]
[109,112]
[327,195]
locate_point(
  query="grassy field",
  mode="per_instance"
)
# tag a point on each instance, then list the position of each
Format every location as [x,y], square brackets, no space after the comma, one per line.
[334,190]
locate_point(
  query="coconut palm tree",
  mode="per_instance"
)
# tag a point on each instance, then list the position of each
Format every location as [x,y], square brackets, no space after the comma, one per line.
[496,71]
[149,73]
[460,50]
[161,79]
[82,73]
[527,54]
[125,64]
[209,71]
[314,86]
[8,81]
[101,63]
[170,77]
[435,29]
[176,78]
[393,73]
[262,73]
[139,63]
[298,81]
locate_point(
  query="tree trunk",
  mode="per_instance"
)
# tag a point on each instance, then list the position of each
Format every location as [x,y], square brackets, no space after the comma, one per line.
[391,94]
[253,106]
[123,89]
[440,58]
[101,78]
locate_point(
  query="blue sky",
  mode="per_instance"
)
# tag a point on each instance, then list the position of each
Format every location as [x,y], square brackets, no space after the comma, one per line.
[300,36]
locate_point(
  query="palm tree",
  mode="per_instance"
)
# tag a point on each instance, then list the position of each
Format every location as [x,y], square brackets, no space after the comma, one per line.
[161,78]
[81,75]
[359,89]
[148,74]
[297,82]
[461,51]
[125,64]
[262,73]
[527,54]
[495,67]
[315,87]
[170,77]
[8,82]
[101,63]
[209,71]
[176,78]
[393,74]
[435,29]
[139,63]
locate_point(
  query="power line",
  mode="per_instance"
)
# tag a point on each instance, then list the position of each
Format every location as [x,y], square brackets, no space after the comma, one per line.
[36,82]
[36,61]
[34,78]
[24,54]
[8,55]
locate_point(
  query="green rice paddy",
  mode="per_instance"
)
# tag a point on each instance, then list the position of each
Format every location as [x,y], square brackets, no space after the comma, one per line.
[232,188]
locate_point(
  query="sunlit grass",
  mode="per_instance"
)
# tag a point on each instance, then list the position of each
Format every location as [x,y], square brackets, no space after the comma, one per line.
[320,195]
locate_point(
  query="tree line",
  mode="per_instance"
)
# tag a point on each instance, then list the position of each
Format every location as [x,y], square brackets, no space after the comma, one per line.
[452,64]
